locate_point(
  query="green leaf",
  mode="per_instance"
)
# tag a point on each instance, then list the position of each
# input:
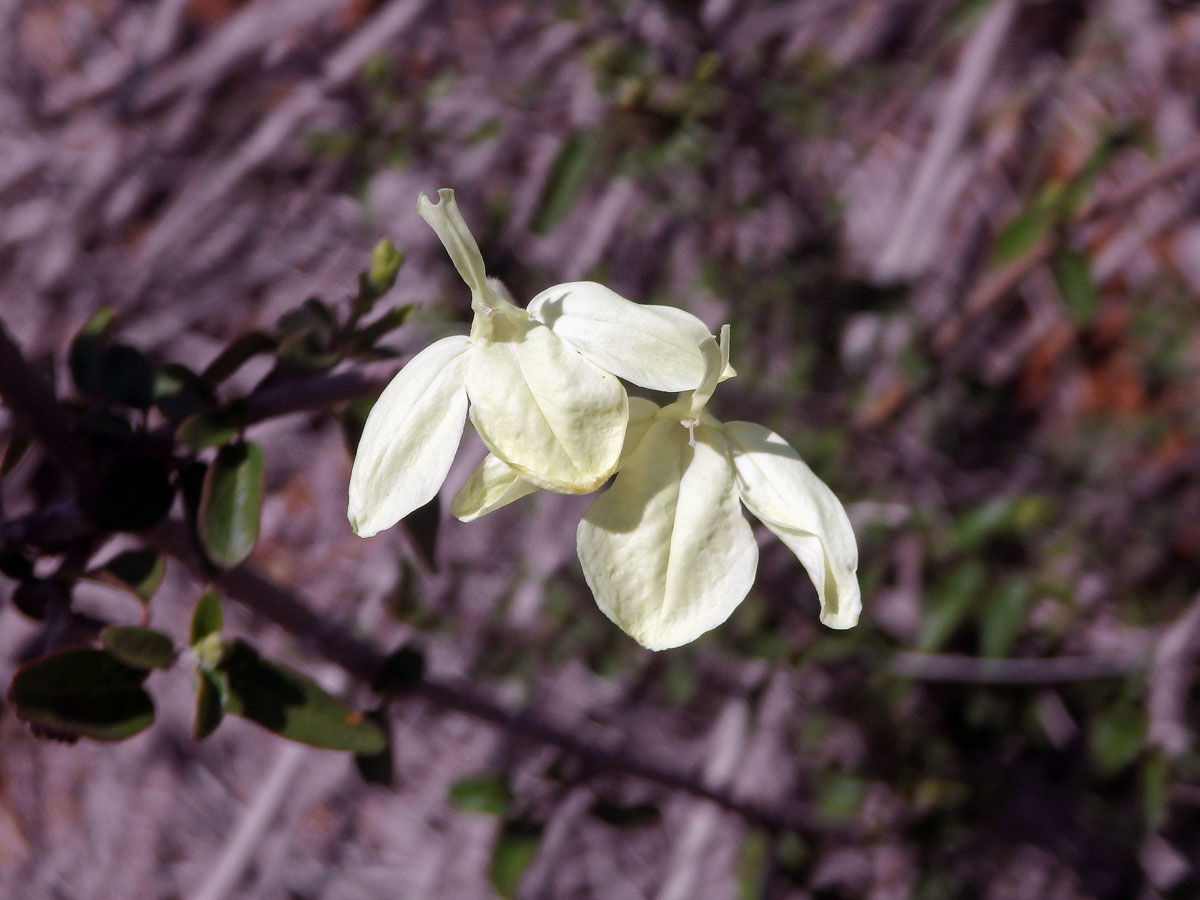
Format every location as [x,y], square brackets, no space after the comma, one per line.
[839,796]
[211,427]
[386,261]
[209,705]
[291,705]
[133,493]
[947,604]
[206,618]
[86,348]
[366,337]
[379,767]
[313,317]
[125,376]
[1115,738]
[569,175]
[138,571]
[304,353]
[34,596]
[753,865]
[1003,617]
[488,794]
[236,355]
[141,648]
[227,520]
[179,392]
[1073,277]
[1022,233]
[516,847]
[82,693]
[1155,785]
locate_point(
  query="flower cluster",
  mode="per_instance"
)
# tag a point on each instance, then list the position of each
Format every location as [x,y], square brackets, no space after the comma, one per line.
[666,550]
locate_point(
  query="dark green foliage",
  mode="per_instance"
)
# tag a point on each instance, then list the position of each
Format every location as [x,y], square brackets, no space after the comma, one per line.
[179,392]
[488,794]
[82,693]
[209,708]
[237,354]
[378,767]
[206,618]
[139,571]
[230,501]
[125,376]
[141,648]
[516,847]
[289,704]
[86,350]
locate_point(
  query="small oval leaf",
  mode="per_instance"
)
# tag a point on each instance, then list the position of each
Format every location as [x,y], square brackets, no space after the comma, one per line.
[206,618]
[488,794]
[377,768]
[82,693]
[84,356]
[227,523]
[179,392]
[125,376]
[210,706]
[291,705]
[516,847]
[138,571]
[208,428]
[141,648]
[236,354]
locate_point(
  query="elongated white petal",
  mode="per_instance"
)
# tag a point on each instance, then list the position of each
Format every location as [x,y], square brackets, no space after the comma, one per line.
[493,484]
[666,550]
[642,413]
[657,347]
[447,221]
[409,439]
[781,490]
[546,411]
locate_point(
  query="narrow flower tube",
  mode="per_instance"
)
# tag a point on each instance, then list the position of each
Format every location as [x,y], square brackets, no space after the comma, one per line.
[410,437]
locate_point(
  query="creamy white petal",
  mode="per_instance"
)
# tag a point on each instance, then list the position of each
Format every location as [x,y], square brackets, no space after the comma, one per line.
[447,221]
[657,347]
[781,490]
[557,419]
[642,413]
[410,437]
[666,550]
[493,484]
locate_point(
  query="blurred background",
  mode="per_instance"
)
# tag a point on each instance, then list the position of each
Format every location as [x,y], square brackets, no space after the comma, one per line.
[959,248]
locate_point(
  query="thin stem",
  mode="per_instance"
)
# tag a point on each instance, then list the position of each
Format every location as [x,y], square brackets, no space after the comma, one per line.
[259,594]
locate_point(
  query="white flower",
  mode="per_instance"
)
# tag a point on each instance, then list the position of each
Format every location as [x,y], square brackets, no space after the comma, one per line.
[539,386]
[666,550]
